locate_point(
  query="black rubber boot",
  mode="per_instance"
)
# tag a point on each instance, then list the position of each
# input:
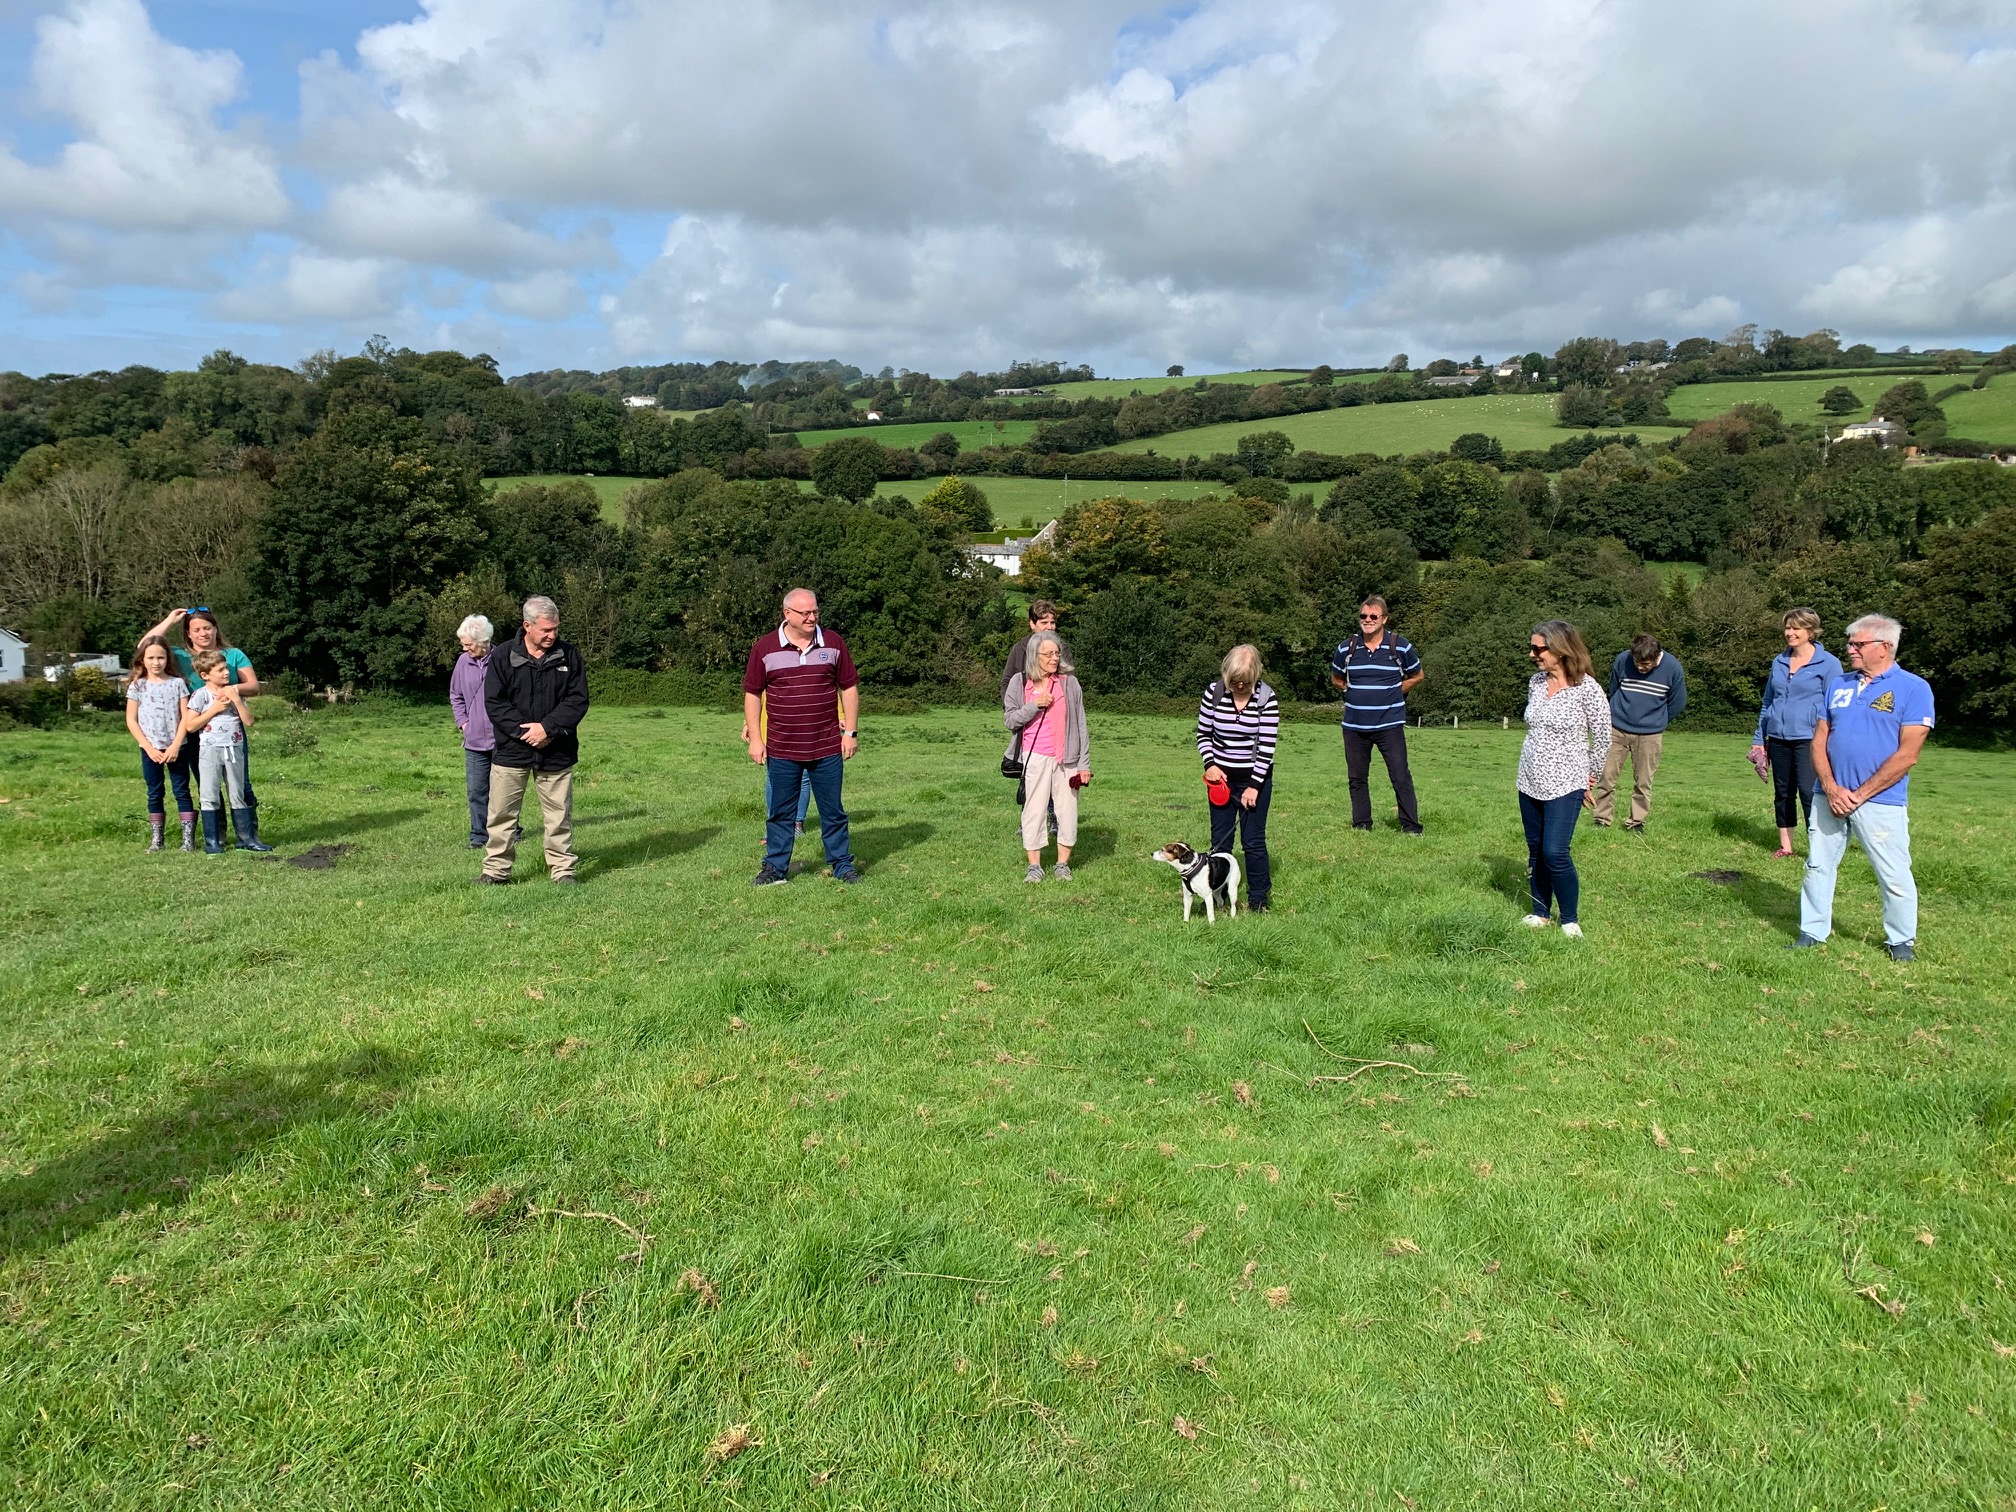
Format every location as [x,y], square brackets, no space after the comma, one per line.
[213,832]
[246,822]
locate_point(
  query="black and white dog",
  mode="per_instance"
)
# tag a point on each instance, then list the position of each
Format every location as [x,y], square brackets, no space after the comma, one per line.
[1203,877]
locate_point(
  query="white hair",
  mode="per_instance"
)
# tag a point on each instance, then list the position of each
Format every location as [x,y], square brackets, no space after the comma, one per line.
[1877,627]
[539,607]
[1032,664]
[477,628]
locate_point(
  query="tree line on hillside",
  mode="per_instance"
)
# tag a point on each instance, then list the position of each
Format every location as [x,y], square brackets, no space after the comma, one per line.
[349,552]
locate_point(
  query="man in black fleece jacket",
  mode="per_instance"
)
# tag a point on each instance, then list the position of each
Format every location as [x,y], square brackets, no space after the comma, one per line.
[536,693]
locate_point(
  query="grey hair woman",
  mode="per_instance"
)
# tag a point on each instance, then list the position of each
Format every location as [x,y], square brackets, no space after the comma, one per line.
[1045,709]
[472,719]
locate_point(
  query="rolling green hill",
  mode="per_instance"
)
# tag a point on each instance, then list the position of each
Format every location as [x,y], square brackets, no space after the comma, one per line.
[899,433]
[1795,400]
[1518,420]
[1986,414]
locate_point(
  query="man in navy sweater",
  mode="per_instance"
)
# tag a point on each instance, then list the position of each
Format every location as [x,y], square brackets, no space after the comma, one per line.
[1647,691]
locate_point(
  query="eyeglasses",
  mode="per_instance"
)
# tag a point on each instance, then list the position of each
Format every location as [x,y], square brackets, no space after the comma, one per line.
[1534,650]
[1368,619]
[1855,645]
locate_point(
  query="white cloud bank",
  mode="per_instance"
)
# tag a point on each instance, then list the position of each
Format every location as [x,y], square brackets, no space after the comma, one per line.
[1242,182]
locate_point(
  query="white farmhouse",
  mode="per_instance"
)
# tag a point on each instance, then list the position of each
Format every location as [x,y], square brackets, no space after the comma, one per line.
[1882,432]
[1007,555]
[105,661]
[640,401]
[13,657]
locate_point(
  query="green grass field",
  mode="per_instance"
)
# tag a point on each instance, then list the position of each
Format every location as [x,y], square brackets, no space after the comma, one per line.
[1039,500]
[1795,400]
[1520,421]
[971,434]
[367,1187]
[1985,414]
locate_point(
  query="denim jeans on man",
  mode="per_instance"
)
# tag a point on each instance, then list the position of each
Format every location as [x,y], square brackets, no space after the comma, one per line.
[1885,832]
[1550,829]
[786,779]
[804,797]
[1252,824]
[161,773]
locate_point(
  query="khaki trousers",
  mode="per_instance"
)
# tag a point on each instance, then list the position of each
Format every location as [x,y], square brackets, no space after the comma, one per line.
[556,808]
[1644,753]
[1044,784]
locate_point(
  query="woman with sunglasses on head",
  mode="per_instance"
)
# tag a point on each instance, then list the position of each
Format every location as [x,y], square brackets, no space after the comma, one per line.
[201,632]
[1567,737]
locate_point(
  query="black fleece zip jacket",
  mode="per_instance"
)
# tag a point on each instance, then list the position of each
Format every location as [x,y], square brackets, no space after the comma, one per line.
[549,690]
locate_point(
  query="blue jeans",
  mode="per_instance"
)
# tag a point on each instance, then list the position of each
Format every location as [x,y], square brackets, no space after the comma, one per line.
[175,772]
[1885,832]
[1550,827]
[804,797]
[787,780]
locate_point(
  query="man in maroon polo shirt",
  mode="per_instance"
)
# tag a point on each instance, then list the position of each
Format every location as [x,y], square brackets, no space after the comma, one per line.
[802,700]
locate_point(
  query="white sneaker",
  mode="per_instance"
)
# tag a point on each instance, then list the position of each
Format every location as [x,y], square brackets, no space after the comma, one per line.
[1572,931]
[1536,921]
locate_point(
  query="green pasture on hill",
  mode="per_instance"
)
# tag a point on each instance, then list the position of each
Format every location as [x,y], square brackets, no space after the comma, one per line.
[1040,500]
[970,434]
[1121,388]
[1796,400]
[363,1186]
[1520,421]
[1985,414]
[609,490]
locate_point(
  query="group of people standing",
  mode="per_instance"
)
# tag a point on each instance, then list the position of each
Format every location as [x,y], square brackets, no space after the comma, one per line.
[194,692]
[1837,746]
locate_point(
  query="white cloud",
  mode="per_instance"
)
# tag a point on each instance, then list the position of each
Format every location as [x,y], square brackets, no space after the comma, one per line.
[150,153]
[1228,182]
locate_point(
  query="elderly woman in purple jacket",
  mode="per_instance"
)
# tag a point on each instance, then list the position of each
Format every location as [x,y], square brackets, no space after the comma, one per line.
[465,697]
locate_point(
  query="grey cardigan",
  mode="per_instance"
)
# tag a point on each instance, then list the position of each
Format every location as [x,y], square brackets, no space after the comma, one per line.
[1015,714]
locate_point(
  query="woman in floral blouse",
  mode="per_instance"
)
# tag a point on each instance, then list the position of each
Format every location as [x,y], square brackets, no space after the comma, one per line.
[1567,737]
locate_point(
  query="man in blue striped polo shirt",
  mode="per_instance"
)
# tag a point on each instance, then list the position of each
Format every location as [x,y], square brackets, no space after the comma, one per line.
[1377,669]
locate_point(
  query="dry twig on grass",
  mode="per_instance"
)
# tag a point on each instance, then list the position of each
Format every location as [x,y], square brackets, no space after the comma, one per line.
[643,1239]
[1363,1064]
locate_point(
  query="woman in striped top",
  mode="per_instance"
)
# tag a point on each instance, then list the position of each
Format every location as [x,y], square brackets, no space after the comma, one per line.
[1238,724]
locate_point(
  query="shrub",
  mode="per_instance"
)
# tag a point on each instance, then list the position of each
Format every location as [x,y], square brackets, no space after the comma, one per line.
[32,703]
[287,736]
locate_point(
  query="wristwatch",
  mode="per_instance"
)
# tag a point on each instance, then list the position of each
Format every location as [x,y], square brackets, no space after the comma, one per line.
[851,734]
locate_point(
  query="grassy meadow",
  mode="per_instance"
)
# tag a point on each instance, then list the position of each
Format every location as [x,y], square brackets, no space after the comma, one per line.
[970,434]
[610,490]
[1985,414]
[1795,399]
[365,1186]
[1520,421]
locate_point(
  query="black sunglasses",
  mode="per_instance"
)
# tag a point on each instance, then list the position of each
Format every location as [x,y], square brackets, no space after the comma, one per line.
[1371,616]
[1532,650]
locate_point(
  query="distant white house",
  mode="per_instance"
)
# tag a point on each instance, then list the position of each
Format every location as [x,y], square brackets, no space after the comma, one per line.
[640,401]
[1511,369]
[1640,365]
[1018,393]
[1882,432]
[874,415]
[105,662]
[1453,380]
[13,657]
[1007,555]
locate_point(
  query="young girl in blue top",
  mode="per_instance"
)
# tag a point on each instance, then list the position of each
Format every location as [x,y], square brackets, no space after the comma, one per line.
[1795,699]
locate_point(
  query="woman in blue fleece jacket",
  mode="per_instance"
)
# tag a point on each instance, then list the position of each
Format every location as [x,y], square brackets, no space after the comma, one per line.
[1795,696]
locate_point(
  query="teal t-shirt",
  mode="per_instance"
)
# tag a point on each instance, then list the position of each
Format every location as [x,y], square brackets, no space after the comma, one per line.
[234,659]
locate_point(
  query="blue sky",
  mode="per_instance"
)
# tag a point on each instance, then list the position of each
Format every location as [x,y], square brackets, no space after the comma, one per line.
[1223,183]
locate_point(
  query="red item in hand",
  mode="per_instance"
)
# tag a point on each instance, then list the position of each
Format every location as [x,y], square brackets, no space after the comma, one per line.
[1077,779]
[1220,793]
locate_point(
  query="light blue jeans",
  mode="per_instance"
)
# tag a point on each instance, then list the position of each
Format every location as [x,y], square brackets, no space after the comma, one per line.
[1884,829]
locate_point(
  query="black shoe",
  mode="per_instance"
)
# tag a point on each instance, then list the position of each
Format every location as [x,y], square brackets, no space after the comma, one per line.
[1634,829]
[849,876]
[769,876]
[1805,942]
[1903,952]
[484,879]
[567,881]
[1262,906]
[1361,826]
[1417,830]
[478,844]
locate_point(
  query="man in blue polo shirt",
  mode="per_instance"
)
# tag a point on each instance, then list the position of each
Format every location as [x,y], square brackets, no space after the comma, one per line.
[1376,669]
[1864,747]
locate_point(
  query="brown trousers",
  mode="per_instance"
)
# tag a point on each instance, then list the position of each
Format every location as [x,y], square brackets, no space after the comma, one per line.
[1644,753]
[556,808]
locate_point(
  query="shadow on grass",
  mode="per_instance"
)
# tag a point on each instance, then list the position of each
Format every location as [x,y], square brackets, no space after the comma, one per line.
[872,847]
[1745,829]
[1508,879]
[166,1155]
[1095,843]
[659,845]
[349,824]
[612,817]
[1773,902]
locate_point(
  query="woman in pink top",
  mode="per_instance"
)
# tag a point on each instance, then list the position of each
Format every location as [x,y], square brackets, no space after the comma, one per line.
[1045,707]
